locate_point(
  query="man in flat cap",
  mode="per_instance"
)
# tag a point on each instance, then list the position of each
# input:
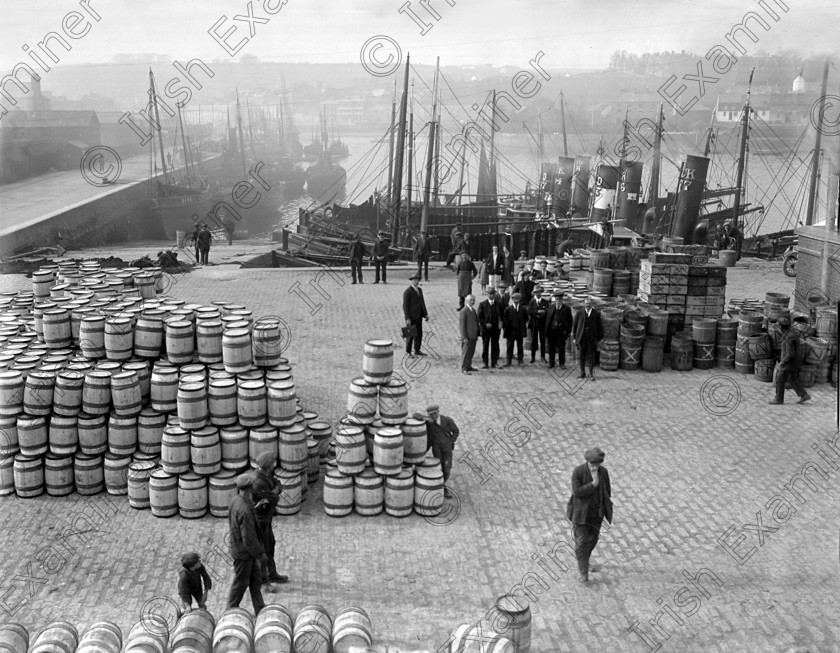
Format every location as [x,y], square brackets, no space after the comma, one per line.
[422,253]
[590,503]
[380,257]
[587,332]
[246,547]
[266,492]
[441,434]
[516,321]
[537,308]
[792,356]
[469,329]
[414,311]
[558,325]
[489,323]
[193,582]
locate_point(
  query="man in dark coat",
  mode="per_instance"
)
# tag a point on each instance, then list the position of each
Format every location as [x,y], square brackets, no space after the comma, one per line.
[380,257]
[193,582]
[525,287]
[587,333]
[422,254]
[537,308]
[357,257]
[558,325]
[466,271]
[789,363]
[509,264]
[441,434]
[516,321]
[414,311]
[590,503]
[469,330]
[489,322]
[193,238]
[266,491]
[204,238]
[246,547]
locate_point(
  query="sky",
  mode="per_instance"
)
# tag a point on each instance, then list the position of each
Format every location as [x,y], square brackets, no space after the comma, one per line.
[571,34]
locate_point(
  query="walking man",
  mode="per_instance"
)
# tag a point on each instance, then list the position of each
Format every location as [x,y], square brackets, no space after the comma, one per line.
[246,547]
[590,503]
[204,238]
[789,363]
[516,320]
[558,324]
[536,311]
[414,311]
[357,257]
[423,252]
[489,322]
[587,331]
[469,328]
[193,583]
[441,434]
[266,491]
[380,257]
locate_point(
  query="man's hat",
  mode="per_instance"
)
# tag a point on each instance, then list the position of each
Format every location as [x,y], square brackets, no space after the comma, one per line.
[383,233]
[189,559]
[491,290]
[516,295]
[783,320]
[503,284]
[538,290]
[413,277]
[594,455]
[433,408]
[557,292]
[244,480]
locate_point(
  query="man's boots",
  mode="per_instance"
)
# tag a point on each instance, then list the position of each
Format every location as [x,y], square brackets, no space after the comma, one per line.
[583,568]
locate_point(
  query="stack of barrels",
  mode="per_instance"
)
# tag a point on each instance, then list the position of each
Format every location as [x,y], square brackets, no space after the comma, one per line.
[377,459]
[105,388]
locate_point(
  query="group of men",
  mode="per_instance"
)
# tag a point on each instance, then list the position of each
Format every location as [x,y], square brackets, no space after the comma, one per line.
[379,258]
[200,238]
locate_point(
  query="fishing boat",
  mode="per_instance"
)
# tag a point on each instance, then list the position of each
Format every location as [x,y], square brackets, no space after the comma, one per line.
[325,179]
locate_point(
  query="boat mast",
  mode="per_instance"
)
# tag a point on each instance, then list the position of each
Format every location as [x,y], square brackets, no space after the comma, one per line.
[398,164]
[653,192]
[710,135]
[241,143]
[160,130]
[391,143]
[409,188]
[463,165]
[563,123]
[742,155]
[815,162]
[492,161]
[184,144]
[281,131]
[427,190]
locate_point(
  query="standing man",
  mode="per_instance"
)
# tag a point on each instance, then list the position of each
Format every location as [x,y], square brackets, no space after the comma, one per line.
[423,252]
[587,330]
[441,434]
[789,363]
[380,257]
[204,238]
[558,324]
[537,308]
[489,322]
[246,548]
[590,503]
[495,266]
[414,311]
[466,273]
[193,238]
[525,287]
[357,257]
[516,320]
[607,227]
[193,583]
[266,490]
[469,327]
[507,275]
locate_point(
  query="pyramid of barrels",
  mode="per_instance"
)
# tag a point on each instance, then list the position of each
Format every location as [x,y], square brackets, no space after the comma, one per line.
[377,459]
[106,386]
[275,630]
[758,342]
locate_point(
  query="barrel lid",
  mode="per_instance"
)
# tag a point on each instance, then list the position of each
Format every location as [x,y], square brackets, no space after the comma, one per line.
[174,429]
[319,426]
[209,324]
[222,382]
[135,365]
[237,331]
[282,385]
[224,473]
[159,473]
[98,374]
[56,311]
[192,368]
[265,428]
[205,431]
[389,431]
[411,421]
[191,387]
[41,374]
[513,603]
[253,384]
[395,382]
[69,374]
[265,325]
[360,381]
[178,324]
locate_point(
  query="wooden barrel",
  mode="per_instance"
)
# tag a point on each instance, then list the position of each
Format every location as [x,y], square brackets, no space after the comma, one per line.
[101,637]
[7,475]
[321,432]
[33,438]
[119,338]
[313,461]
[222,402]
[9,444]
[807,375]
[13,638]
[42,281]
[749,323]
[221,488]
[148,334]
[122,435]
[150,425]
[67,396]
[816,351]
[704,355]
[293,452]
[192,405]
[414,441]
[175,450]
[378,361]
[96,393]
[428,491]
[58,637]
[630,355]
[139,473]
[281,403]
[116,473]
[267,346]
[362,400]
[825,321]
[92,336]
[234,632]
[57,331]
[399,493]
[251,403]
[262,439]
[760,346]
[273,630]
[58,476]
[469,638]
[338,493]
[125,394]
[388,451]
[208,336]
[682,354]
[652,352]
[609,355]
[704,330]
[192,495]
[764,370]
[148,636]
[351,453]
[29,475]
[369,493]
[725,355]
[234,442]
[236,350]
[727,331]
[743,360]
[611,322]
[512,618]
[89,473]
[352,627]
[293,484]
[180,341]
[11,392]
[164,389]
[393,402]
[313,629]
[38,393]
[194,630]
[205,451]
[93,433]
[163,494]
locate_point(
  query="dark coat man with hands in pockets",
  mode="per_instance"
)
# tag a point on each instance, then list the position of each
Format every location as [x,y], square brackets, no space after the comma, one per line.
[414,311]
[589,504]
[246,547]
